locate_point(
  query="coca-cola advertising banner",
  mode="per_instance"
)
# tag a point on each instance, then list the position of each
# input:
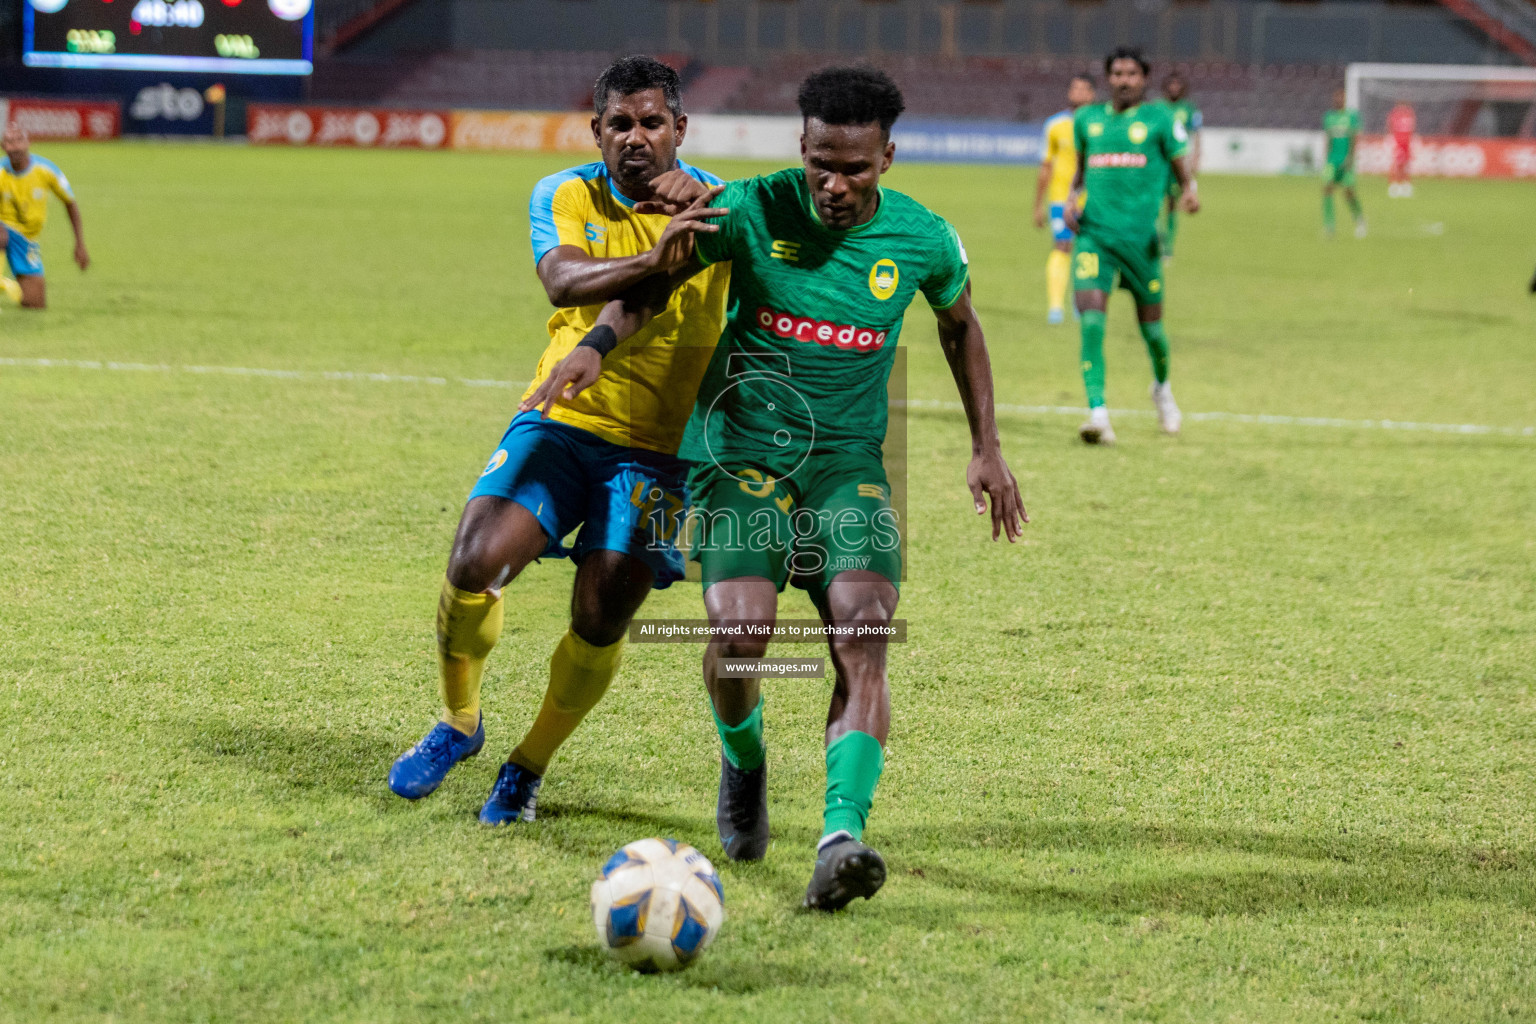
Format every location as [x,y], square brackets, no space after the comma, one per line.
[63,119]
[285,125]
[1451,157]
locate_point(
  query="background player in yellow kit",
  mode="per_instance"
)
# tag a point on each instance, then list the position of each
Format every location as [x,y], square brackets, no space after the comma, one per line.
[1057,167]
[604,459]
[25,181]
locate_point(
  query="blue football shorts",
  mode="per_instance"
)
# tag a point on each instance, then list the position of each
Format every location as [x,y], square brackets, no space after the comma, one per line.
[629,500]
[22,253]
[1059,230]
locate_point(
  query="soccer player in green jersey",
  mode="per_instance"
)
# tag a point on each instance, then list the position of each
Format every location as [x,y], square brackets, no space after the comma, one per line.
[1176,97]
[1127,151]
[786,440]
[1342,127]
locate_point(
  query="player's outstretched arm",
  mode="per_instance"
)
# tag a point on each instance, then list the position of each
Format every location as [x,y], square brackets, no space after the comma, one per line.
[82,257]
[1189,189]
[620,320]
[1070,212]
[572,277]
[1041,182]
[672,192]
[988,474]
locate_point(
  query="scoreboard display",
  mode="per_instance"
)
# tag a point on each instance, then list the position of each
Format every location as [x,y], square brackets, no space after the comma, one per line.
[258,37]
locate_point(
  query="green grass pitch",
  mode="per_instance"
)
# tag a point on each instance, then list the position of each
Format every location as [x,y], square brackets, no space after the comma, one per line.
[1243,731]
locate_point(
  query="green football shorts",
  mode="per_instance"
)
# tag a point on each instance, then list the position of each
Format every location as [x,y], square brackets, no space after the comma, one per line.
[1097,261]
[1342,175]
[833,514]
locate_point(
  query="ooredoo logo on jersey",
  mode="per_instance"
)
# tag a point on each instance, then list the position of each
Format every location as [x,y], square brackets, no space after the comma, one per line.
[821,332]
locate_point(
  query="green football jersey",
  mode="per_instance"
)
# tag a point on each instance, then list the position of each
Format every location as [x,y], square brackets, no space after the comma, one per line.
[1186,113]
[1341,127]
[812,321]
[1127,162]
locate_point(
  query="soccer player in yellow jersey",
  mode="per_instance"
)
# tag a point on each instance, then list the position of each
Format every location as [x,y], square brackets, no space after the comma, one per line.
[604,459]
[1057,167]
[25,181]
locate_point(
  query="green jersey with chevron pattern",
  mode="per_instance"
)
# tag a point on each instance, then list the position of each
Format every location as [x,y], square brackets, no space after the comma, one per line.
[812,320]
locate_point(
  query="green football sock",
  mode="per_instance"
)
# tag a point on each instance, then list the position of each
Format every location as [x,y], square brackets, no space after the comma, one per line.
[743,743]
[1353,202]
[1171,235]
[854,763]
[1092,327]
[1328,212]
[1157,347]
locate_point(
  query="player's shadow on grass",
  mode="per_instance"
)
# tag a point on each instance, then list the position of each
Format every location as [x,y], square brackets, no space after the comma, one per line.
[297,759]
[1262,871]
[713,972]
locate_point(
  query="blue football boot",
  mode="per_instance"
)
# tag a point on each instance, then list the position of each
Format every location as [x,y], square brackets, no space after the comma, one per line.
[513,798]
[420,770]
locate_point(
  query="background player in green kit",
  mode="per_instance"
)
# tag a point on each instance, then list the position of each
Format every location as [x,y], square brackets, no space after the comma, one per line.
[1127,151]
[787,435]
[1341,125]
[1176,99]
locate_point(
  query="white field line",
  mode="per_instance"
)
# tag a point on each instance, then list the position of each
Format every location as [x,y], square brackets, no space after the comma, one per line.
[1243,417]
[946,406]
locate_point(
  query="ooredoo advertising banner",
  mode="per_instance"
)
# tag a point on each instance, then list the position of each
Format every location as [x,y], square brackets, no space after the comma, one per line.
[287,125]
[63,119]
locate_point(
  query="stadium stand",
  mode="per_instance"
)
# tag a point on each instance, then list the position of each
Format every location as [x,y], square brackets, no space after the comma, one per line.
[989,88]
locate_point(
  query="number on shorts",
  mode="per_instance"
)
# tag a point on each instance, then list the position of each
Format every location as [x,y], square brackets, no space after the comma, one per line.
[1087,264]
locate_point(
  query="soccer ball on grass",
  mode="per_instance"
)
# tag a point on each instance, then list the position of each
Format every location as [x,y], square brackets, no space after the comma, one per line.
[657,905]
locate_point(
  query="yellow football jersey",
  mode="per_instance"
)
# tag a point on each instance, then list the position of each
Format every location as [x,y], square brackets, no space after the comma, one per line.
[24,196]
[1061,151]
[649,382]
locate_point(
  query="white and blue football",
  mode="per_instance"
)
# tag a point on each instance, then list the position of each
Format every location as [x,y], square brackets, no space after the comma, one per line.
[657,905]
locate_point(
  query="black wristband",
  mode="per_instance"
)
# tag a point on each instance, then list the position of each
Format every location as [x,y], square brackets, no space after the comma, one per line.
[602,338]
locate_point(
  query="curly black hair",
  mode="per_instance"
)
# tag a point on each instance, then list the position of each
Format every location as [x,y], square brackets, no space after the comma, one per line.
[851,95]
[629,75]
[1127,53]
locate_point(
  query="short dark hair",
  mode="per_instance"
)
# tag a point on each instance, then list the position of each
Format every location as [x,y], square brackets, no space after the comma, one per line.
[851,95]
[1127,53]
[629,75]
[1175,76]
[1083,76]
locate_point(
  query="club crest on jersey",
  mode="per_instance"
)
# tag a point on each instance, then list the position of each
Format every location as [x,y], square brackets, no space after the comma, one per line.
[883,278]
[1095,129]
[1137,132]
[821,332]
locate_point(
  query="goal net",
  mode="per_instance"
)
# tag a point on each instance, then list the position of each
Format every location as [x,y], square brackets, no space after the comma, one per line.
[1477,101]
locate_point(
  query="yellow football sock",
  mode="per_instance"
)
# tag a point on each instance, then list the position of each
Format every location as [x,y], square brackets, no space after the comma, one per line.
[468,626]
[11,288]
[579,675]
[1058,274]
